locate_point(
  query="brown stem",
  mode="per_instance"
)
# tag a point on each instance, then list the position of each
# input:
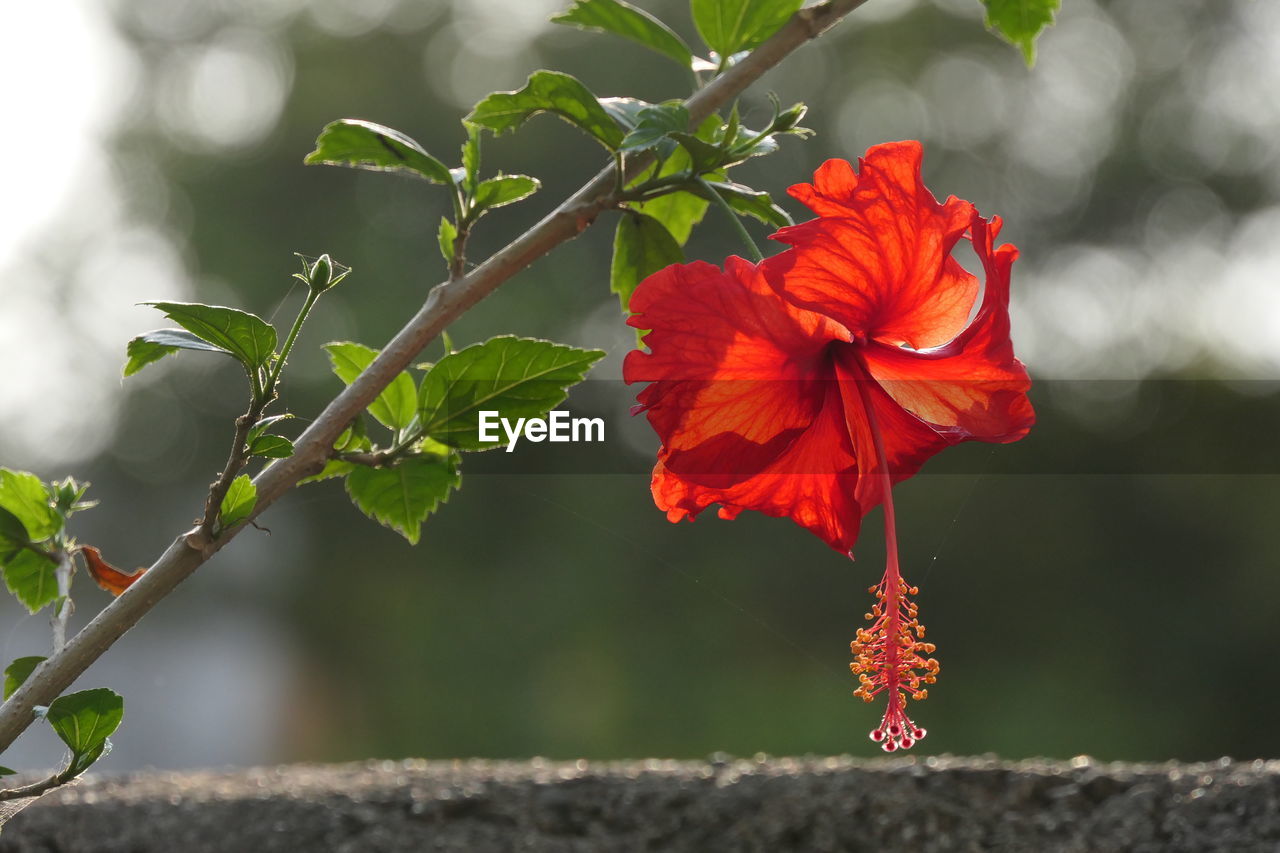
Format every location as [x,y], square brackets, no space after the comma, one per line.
[33,790]
[237,459]
[444,304]
[375,459]
[458,266]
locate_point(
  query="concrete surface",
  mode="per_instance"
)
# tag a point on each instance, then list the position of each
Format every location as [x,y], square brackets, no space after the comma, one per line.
[762,804]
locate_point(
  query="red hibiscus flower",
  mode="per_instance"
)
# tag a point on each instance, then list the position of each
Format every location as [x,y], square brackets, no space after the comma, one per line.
[806,385]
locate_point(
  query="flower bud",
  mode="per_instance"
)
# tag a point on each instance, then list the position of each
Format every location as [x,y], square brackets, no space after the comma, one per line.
[322,273]
[787,120]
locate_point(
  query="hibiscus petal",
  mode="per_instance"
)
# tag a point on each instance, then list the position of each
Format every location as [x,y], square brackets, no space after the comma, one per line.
[812,482]
[709,323]
[878,258]
[973,387]
[728,360]
[743,399]
[908,441]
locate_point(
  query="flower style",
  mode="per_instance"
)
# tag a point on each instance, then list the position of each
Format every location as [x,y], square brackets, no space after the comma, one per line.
[808,384]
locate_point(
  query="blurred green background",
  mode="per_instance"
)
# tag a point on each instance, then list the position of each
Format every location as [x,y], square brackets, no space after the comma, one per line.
[1106,586]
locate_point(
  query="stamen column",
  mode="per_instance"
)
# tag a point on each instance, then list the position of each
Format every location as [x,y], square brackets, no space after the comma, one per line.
[888,654]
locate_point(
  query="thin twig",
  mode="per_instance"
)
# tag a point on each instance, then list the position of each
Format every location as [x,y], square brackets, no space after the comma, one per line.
[445,303]
[369,459]
[35,789]
[735,221]
[458,266]
[238,458]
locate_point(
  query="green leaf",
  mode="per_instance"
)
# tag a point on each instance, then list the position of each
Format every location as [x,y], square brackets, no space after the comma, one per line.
[471,158]
[548,91]
[447,235]
[402,497]
[707,156]
[749,202]
[27,498]
[354,437]
[332,468]
[729,133]
[1019,22]
[32,578]
[365,145]
[238,503]
[84,721]
[678,211]
[517,377]
[396,405]
[764,146]
[703,156]
[262,444]
[247,336]
[655,124]
[623,19]
[728,26]
[504,189]
[18,672]
[625,111]
[430,447]
[261,426]
[13,535]
[271,446]
[153,346]
[641,247]
[5,771]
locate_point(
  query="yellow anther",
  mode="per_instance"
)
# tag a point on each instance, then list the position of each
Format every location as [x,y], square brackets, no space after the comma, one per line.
[890,652]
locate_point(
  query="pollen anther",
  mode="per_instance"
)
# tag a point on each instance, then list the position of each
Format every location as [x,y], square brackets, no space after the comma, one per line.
[888,659]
